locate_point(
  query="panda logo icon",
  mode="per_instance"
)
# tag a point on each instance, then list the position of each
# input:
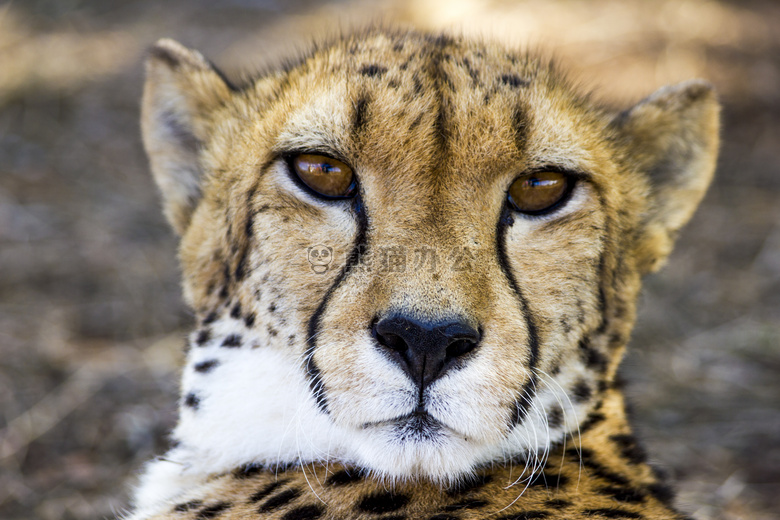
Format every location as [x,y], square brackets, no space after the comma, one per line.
[320,258]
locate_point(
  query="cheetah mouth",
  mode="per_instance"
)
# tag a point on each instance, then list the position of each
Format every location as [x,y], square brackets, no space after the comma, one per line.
[417,426]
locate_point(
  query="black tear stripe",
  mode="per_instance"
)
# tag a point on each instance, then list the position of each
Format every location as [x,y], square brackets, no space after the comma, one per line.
[359,247]
[526,394]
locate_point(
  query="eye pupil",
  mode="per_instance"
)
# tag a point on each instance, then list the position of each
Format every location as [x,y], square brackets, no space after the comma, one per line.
[324,175]
[538,193]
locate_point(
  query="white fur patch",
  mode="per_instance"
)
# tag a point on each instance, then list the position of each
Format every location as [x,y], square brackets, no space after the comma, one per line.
[256,406]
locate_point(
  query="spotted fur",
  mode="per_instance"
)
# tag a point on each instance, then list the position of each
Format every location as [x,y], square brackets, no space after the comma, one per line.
[291,409]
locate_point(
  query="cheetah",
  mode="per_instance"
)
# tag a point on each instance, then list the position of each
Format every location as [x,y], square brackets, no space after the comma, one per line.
[414,261]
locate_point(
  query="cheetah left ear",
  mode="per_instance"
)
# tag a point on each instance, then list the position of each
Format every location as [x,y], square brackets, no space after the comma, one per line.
[672,139]
[181,93]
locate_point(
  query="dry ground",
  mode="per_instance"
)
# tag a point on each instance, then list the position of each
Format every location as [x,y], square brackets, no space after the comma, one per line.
[91,322]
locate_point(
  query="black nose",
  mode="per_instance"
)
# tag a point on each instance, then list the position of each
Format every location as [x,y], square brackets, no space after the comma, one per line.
[425,350]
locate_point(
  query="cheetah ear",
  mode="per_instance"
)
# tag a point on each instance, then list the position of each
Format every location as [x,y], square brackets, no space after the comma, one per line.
[182,90]
[672,139]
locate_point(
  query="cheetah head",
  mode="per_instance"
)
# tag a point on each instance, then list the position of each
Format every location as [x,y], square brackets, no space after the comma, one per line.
[486,229]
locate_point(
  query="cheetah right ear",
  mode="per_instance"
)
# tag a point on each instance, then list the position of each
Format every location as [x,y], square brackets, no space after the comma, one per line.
[181,92]
[672,140]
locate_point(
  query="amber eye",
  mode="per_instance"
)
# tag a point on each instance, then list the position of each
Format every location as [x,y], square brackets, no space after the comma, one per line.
[324,175]
[535,193]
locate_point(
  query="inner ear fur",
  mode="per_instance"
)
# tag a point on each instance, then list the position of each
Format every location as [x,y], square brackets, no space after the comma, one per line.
[671,138]
[181,92]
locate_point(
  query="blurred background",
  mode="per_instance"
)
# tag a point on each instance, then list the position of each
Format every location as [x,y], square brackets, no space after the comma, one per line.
[91,320]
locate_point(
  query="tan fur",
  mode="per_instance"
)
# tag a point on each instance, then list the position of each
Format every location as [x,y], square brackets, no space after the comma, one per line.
[436,132]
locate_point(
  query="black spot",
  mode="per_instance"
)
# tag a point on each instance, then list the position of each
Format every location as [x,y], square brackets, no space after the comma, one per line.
[526,515]
[272,308]
[360,117]
[466,504]
[386,502]
[555,417]
[623,494]
[235,312]
[591,420]
[513,80]
[592,358]
[248,471]
[547,480]
[213,511]
[470,484]
[188,506]
[398,46]
[595,360]
[232,341]
[473,73]
[616,339]
[250,222]
[344,477]
[520,127]
[372,70]
[418,86]
[581,391]
[223,293]
[629,448]
[210,318]
[416,122]
[249,320]
[263,208]
[558,503]
[602,305]
[589,461]
[272,331]
[610,512]
[291,339]
[267,490]
[309,512]
[206,366]
[192,400]
[662,492]
[565,325]
[240,271]
[441,125]
[445,80]
[203,336]
[279,500]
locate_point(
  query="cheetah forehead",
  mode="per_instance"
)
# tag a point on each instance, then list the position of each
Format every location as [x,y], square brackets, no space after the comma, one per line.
[460,110]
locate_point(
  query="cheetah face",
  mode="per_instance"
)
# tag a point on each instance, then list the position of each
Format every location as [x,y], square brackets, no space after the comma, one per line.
[413,254]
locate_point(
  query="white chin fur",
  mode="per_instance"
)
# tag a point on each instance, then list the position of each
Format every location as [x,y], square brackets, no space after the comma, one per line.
[256,407]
